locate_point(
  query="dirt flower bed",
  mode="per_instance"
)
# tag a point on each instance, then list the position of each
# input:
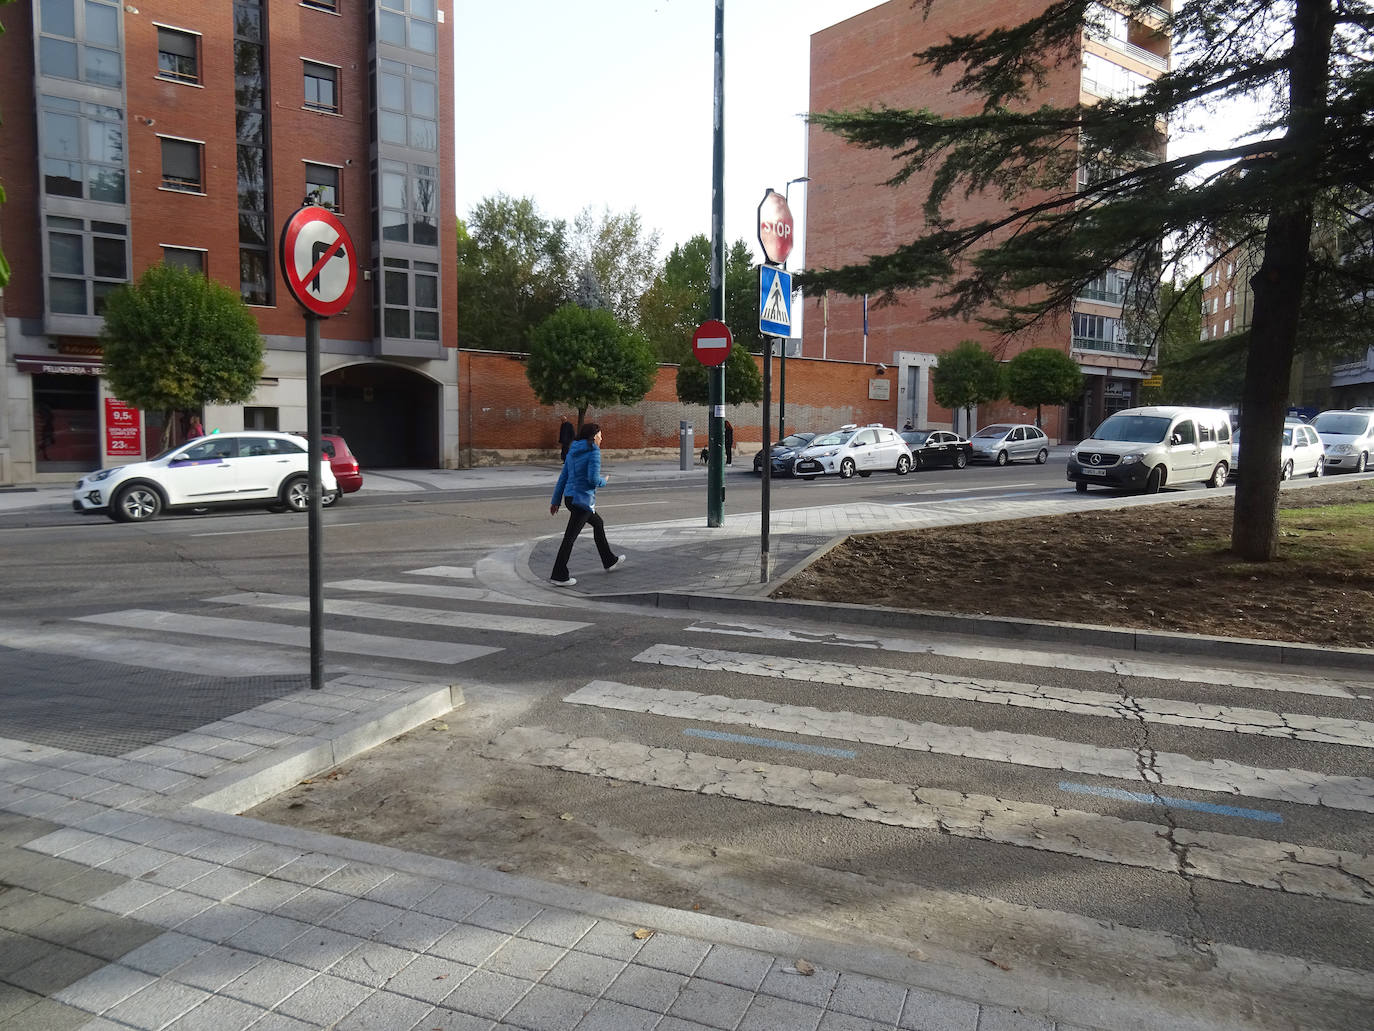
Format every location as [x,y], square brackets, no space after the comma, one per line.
[1159,567]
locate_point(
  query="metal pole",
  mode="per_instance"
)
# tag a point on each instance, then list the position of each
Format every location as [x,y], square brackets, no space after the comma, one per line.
[312,420]
[715,473]
[765,506]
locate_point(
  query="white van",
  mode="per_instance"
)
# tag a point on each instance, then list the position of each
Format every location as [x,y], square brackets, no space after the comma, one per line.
[1145,448]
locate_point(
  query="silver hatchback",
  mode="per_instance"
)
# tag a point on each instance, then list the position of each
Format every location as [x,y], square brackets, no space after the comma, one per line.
[1010,442]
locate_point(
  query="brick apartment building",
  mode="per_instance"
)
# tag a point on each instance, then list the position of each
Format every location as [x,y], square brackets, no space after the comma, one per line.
[188,132]
[866,61]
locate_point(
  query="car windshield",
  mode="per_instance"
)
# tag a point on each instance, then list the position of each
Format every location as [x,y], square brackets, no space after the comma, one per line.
[1139,429]
[1341,422]
[838,437]
[793,440]
[993,431]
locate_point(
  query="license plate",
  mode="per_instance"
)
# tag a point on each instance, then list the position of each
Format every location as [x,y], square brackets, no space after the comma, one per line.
[1093,472]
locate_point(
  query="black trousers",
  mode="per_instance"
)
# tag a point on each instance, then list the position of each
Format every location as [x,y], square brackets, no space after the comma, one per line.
[578,517]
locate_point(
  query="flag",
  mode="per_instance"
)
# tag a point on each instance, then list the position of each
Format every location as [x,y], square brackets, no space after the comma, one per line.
[865,314]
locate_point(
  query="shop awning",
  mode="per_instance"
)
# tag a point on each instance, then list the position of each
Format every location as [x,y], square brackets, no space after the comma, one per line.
[60,364]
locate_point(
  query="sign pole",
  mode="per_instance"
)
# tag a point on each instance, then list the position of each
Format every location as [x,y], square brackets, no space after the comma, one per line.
[316,524]
[715,377]
[766,496]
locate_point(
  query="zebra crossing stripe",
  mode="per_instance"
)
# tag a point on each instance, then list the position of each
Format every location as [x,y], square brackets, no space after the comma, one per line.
[414,590]
[228,661]
[1277,866]
[454,572]
[408,614]
[1300,787]
[1294,683]
[1167,711]
[243,630]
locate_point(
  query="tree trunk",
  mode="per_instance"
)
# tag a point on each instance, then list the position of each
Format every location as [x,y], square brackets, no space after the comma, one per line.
[1278,290]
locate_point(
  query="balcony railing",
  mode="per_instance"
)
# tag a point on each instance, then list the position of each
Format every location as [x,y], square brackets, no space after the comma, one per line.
[1131,50]
[1110,346]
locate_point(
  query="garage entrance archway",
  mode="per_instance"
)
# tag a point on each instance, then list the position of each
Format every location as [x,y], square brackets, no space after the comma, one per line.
[389,415]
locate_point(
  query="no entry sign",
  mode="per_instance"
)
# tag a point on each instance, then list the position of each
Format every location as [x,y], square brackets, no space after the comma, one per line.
[318,261]
[711,342]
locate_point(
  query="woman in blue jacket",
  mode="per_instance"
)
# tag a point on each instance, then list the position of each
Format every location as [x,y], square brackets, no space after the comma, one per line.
[576,488]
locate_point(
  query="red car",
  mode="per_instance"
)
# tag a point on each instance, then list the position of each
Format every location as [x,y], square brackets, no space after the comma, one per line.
[344,464]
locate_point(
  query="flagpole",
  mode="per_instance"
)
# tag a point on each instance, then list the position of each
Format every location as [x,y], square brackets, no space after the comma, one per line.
[865,327]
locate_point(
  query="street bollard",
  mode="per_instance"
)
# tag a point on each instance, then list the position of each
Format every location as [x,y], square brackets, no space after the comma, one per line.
[684,444]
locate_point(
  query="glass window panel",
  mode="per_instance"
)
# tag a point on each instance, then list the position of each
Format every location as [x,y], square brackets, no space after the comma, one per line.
[249,124]
[62,222]
[181,164]
[252,228]
[388,262]
[393,30]
[184,257]
[65,254]
[61,178]
[248,75]
[110,228]
[102,67]
[424,134]
[427,266]
[426,325]
[426,292]
[108,258]
[424,99]
[395,5]
[170,41]
[422,9]
[62,135]
[253,284]
[59,18]
[325,179]
[106,184]
[57,57]
[395,226]
[67,296]
[426,191]
[102,291]
[425,232]
[248,21]
[393,92]
[102,24]
[393,128]
[320,87]
[105,142]
[393,190]
[397,288]
[422,36]
[396,322]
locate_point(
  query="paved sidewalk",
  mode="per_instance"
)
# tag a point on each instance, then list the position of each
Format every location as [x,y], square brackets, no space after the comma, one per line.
[132,897]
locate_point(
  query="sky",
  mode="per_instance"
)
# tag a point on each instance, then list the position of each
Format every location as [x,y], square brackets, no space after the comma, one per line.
[608,103]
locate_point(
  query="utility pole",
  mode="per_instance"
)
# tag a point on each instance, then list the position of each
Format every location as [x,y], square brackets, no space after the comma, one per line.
[715,470]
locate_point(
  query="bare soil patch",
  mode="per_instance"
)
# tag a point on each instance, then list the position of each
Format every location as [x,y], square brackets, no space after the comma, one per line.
[1164,567]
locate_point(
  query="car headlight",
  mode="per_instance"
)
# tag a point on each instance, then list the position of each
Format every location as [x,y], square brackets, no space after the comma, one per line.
[1132,458]
[100,474]
[830,453]
[1342,449]
[1073,456]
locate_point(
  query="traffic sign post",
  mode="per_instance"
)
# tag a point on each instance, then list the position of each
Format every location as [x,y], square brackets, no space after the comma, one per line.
[319,265]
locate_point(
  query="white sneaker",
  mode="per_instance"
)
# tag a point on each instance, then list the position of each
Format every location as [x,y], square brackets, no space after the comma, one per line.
[569,582]
[617,563]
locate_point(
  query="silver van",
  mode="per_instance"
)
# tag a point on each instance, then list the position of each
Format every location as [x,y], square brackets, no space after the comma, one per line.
[1145,448]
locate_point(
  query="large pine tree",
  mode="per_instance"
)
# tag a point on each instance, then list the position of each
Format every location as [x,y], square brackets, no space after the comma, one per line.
[1309,61]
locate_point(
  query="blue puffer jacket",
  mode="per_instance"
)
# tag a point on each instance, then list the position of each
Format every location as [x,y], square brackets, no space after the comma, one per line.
[581,475]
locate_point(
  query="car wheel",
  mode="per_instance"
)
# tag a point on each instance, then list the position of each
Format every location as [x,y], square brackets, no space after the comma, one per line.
[1320,468]
[1003,458]
[1363,464]
[1287,471]
[960,460]
[1081,487]
[295,494]
[1155,480]
[846,468]
[1219,475]
[903,465]
[136,503]
[332,497]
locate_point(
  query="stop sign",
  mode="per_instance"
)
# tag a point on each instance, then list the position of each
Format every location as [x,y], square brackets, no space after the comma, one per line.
[775,227]
[711,342]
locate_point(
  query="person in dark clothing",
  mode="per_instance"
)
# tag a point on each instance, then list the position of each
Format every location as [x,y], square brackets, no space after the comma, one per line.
[576,488]
[566,433]
[729,443]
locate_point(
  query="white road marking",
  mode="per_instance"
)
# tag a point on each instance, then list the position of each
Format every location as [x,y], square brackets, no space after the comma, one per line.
[266,529]
[429,591]
[1278,866]
[455,572]
[1294,683]
[1166,711]
[1301,787]
[243,630]
[408,614]
[228,660]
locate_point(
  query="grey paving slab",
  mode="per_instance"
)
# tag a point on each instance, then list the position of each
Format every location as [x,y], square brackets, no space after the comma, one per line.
[880,1001]
[675,952]
[643,986]
[384,1010]
[711,1003]
[324,999]
[609,1015]
[768,1013]
[429,978]
[219,1013]
[373,963]
[485,993]
[925,1010]
[545,1008]
[523,958]
[584,973]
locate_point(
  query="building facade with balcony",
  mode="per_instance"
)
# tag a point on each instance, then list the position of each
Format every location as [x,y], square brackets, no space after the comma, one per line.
[866,61]
[188,132]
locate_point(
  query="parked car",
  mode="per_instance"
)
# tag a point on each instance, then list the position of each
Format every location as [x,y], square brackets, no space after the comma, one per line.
[854,449]
[345,466]
[784,453]
[1348,437]
[1300,455]
[252,467]
[937,447]
[1010,442]
[1145,448]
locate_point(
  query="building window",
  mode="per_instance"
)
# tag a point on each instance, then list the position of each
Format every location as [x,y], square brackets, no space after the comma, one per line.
[86,262]
[410,299]
[178,55]
[192,258]
[322,182]
[1230,297]
[1108,79]
[181,165]
[410,203]
[321,5]
[1110,287]
[80,41]
[83,150]
[257,418]
[252,127]
[321,87]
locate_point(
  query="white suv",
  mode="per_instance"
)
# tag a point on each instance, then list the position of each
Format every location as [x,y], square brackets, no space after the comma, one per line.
[853,449]
[1348,438]
[223,469]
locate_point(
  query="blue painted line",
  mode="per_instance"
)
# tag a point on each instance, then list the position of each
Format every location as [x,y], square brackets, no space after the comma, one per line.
[786,746]
[1178,803]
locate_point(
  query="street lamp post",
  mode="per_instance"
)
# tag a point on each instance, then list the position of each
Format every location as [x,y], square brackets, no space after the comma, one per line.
[782,343]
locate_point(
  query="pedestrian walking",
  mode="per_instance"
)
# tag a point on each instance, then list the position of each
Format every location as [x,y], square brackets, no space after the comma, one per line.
[195,429]
[729,443]
[576,489]
[566,433]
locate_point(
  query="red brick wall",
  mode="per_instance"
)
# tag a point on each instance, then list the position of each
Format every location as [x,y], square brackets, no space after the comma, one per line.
[498,410]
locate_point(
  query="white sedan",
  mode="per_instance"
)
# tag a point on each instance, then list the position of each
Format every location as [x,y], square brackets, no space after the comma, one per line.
[1301,454]
[852,449]
[221,470]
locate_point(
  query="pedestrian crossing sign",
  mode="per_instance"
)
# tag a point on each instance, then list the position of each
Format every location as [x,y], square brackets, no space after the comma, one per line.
[775,301]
